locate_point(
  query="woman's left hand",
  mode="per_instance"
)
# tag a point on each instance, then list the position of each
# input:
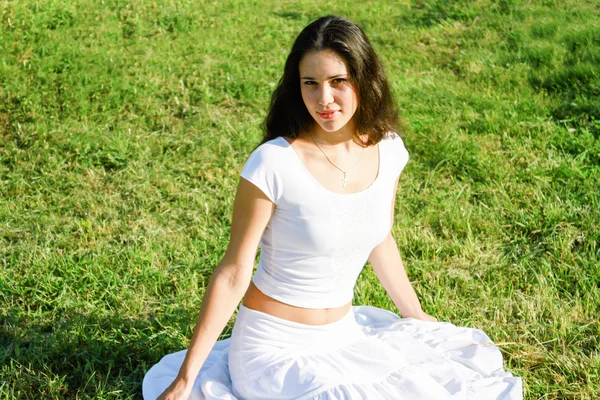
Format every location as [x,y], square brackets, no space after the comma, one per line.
[423,316]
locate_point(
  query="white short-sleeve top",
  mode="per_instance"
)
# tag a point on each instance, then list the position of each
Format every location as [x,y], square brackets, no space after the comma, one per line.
[317,241]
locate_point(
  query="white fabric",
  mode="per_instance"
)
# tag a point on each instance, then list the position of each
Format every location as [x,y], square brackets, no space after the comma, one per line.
[318,241]
[369,354]
[311,254]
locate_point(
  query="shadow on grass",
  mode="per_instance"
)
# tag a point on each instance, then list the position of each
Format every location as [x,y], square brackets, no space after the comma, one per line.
[83,355]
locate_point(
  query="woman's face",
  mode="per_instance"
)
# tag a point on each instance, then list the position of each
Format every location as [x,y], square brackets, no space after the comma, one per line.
[327,90]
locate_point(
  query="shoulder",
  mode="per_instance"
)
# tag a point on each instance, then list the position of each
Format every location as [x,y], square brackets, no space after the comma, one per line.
[392,139]
[270,151]
[394,143]
[395,151]
[264,167]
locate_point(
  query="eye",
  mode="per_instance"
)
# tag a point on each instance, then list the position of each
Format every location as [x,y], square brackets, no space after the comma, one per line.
[310,83]
[338,81]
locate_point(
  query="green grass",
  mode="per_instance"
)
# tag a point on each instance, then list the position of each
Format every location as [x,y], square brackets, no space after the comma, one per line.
[124,125]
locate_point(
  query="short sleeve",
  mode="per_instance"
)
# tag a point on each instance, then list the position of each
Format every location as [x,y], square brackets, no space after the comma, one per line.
[261,172]
[399,154]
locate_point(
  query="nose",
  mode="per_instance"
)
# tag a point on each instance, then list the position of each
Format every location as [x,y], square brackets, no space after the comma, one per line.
[325,94]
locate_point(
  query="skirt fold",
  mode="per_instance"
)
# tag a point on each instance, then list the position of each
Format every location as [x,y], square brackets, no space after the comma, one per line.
[369,354]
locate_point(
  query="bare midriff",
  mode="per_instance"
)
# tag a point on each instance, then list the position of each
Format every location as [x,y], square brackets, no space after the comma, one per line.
[258,301]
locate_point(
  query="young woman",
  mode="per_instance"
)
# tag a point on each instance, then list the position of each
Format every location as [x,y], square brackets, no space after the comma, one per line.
[318,195]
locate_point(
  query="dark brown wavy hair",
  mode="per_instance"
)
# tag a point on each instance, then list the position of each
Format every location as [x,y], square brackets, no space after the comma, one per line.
[376,114]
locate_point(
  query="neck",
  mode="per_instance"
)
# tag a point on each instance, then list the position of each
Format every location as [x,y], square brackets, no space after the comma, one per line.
[343,137]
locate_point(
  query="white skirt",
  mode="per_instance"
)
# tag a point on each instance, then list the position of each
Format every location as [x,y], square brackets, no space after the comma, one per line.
[368,354]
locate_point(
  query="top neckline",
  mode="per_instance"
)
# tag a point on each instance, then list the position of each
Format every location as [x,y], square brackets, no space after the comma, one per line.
[297,157]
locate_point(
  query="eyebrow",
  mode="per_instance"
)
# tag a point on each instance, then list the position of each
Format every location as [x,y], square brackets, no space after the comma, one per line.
[331,77]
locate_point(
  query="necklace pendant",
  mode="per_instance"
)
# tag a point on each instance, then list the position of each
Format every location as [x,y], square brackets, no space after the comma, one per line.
[345,180]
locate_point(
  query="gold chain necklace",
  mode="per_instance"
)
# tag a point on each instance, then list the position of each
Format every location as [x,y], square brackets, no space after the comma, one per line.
[344,179]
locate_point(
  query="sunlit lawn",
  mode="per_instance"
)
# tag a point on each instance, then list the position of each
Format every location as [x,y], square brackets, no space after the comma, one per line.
[124,126]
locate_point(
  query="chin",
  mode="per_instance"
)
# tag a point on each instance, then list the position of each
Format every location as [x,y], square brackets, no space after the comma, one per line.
[333,127]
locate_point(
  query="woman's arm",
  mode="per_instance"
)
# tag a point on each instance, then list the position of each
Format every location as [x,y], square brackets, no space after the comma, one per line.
[251,213]
[387,264]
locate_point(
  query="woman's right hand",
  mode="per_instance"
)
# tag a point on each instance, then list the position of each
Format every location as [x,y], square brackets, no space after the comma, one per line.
[177,390]
[252,211]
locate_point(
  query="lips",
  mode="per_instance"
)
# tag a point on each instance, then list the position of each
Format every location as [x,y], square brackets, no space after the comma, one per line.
[328,114]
